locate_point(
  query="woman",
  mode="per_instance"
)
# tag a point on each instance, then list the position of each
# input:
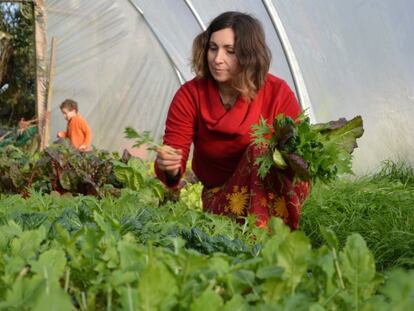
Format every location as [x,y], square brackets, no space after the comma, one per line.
[215,111]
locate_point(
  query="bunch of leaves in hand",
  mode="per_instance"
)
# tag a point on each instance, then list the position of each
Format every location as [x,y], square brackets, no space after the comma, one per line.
[312,151]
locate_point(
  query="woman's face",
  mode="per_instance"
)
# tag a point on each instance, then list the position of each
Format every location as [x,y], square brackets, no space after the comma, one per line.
[221,56]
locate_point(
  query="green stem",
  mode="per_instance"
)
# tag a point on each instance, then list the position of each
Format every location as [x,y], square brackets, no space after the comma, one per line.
[109,299]
[130,302]
[85,306]
[338,270]
[67,278]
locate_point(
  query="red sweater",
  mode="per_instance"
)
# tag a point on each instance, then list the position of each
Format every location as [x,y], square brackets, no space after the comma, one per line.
[220,137]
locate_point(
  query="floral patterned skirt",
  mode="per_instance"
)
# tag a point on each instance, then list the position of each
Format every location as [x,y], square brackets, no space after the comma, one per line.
[245,193]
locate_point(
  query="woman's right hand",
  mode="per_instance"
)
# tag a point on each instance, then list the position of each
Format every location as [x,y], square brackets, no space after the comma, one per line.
[61,134]
[169,160]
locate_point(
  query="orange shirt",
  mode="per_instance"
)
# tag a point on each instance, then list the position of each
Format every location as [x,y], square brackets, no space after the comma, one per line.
[78,132]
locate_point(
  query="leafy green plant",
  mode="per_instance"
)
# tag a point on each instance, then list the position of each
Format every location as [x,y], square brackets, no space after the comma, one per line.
[59,168]
[110,253]
[190,196]
[16,169]
[92,253]
[134,175]
[70,170]
[143,138]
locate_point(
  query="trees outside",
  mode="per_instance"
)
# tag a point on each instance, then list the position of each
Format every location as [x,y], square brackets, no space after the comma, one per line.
[17,63]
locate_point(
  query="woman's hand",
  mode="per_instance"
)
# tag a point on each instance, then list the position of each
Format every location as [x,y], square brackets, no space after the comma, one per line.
[169,160]
[61,134]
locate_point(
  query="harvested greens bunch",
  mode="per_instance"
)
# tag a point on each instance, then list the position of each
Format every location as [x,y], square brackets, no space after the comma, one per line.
[312,151]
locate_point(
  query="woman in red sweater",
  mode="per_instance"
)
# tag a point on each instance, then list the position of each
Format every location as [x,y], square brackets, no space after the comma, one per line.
[215,111]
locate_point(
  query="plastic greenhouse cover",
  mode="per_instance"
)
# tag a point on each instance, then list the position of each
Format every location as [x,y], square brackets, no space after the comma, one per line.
[123,60]
[110,62]
[356,58]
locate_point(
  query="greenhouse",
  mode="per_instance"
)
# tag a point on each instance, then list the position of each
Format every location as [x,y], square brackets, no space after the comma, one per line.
[124,60]
[100,230]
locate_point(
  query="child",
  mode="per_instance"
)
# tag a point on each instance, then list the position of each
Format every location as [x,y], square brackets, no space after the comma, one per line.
[78,131]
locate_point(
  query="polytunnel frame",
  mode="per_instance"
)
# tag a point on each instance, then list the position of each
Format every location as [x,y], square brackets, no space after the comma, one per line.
[293,64]
[41,47]
[294,68]
[296,72]
[177,71]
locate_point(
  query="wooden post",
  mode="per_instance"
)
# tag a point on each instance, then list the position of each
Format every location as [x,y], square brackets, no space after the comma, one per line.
[45,140]
[41,64]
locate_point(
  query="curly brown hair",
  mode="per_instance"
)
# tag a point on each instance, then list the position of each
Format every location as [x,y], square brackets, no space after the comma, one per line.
[251,50]
[69,104]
